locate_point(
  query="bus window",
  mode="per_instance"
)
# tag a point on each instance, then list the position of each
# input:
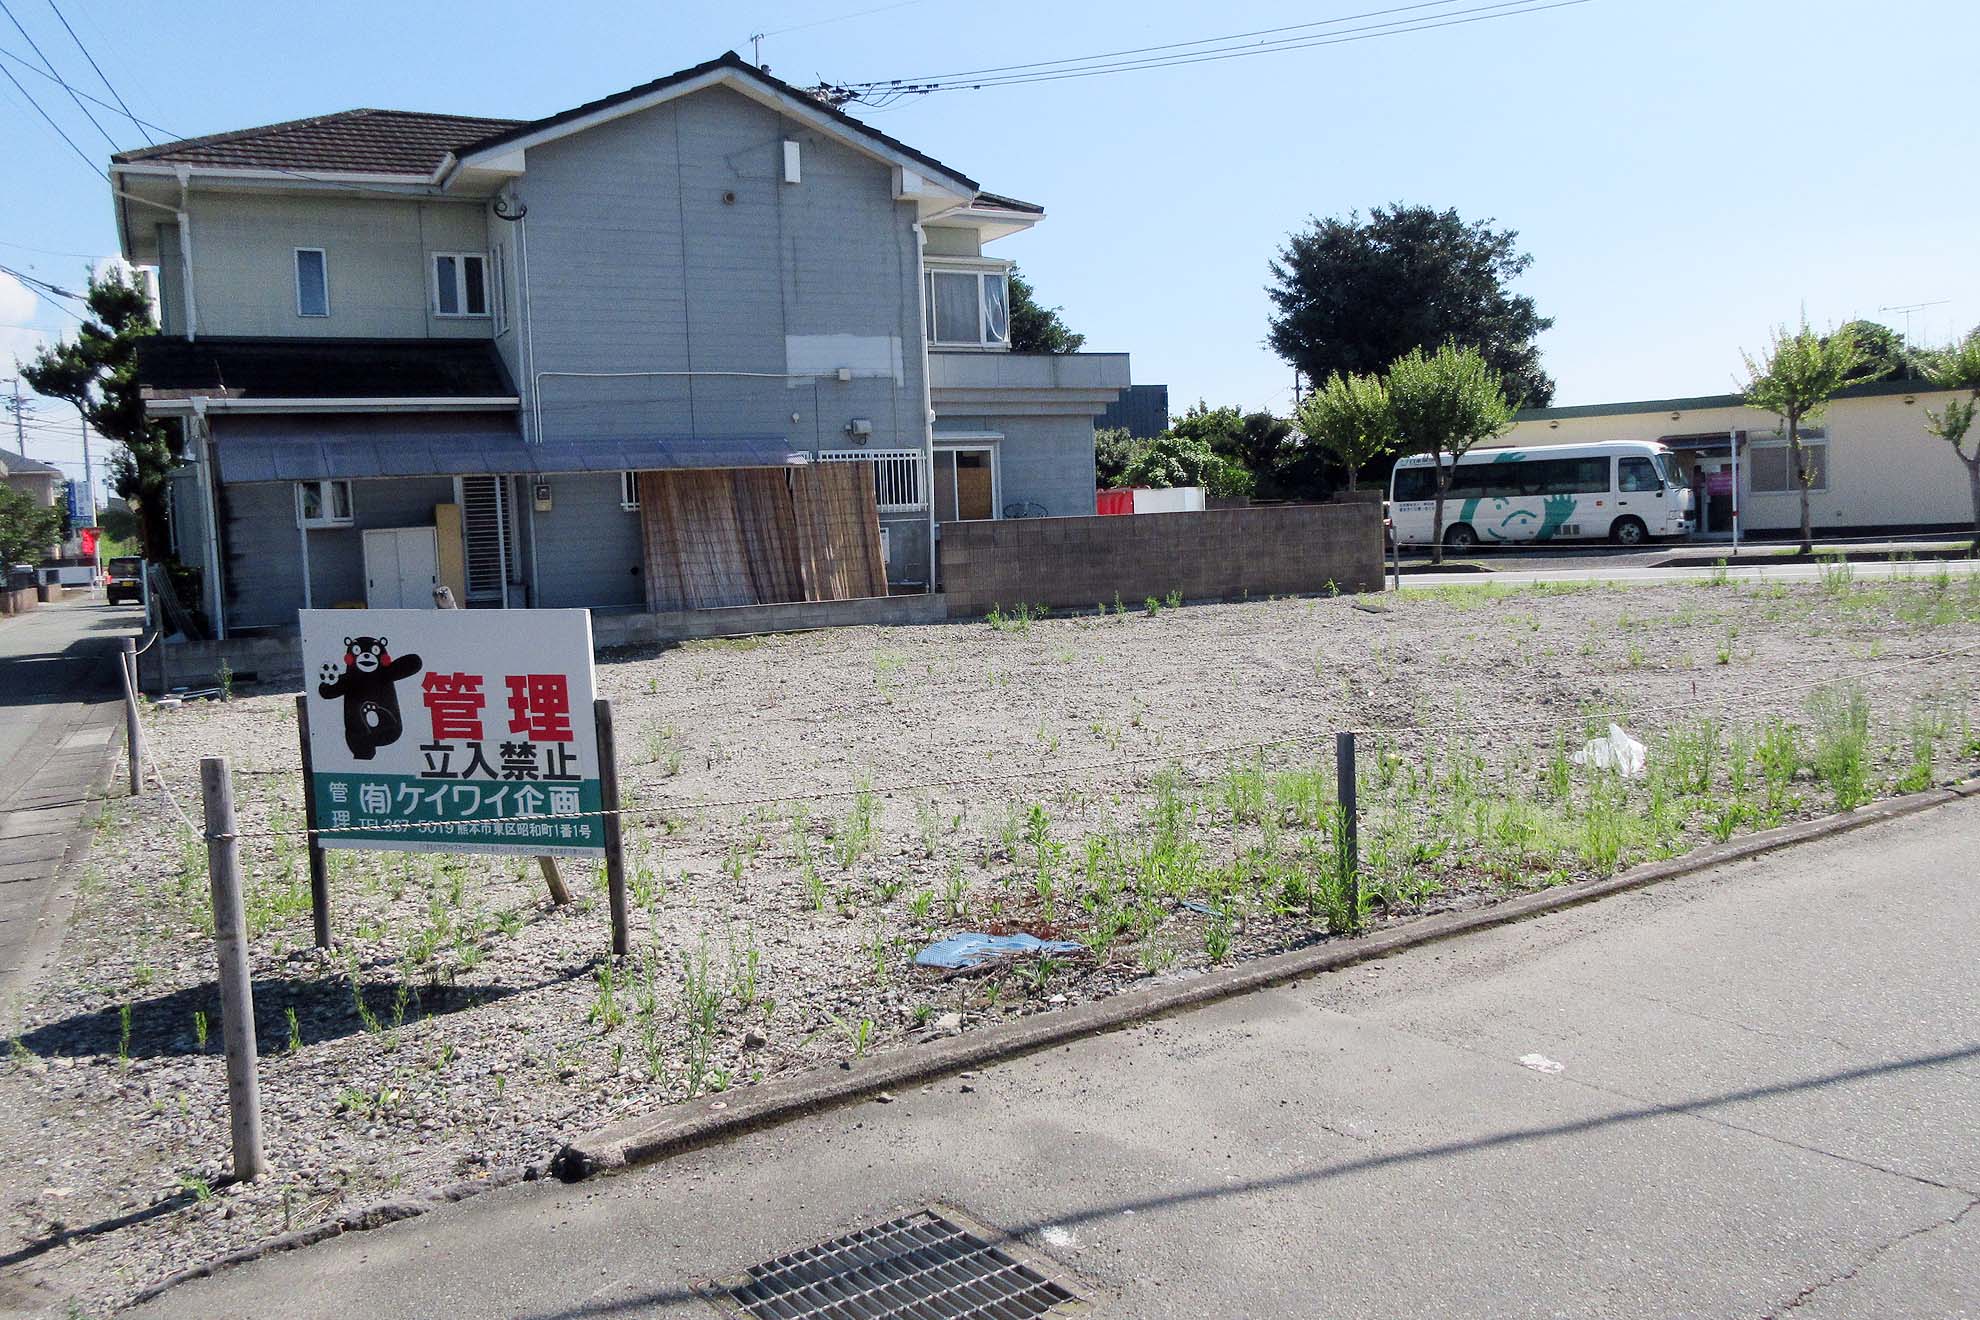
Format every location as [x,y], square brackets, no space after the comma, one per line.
[1638,474]
[1414,483]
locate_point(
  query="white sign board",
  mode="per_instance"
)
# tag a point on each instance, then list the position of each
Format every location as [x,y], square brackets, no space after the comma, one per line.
[453,730]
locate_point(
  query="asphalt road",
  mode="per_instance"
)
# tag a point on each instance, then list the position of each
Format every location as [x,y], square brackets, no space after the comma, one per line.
[60,715]
[1753,1092]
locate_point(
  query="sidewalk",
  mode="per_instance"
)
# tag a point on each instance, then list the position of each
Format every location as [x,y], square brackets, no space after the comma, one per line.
[1736,1094]
[59,720]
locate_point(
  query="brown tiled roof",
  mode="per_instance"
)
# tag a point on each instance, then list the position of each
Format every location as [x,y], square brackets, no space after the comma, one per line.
[407,142]
[350,141]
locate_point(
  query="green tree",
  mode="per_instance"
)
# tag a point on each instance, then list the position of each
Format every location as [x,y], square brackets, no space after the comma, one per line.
[1958,368]
[27,529]
[1443,404]
[1352,296]
[1113,446]
[1171,460]
[97,372]
[1885,354]
[1794,379]
[1350,420]
[1036,328]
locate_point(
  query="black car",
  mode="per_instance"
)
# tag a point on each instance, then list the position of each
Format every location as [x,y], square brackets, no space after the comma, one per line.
[126,574]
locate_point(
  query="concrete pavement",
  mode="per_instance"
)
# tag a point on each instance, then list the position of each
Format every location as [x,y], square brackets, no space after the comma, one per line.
[1752,1092]
[60,717]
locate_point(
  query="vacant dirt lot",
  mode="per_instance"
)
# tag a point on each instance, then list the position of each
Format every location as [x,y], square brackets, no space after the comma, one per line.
[1085,778]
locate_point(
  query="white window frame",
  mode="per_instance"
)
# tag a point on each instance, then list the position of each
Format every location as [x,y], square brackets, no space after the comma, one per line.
[629,491]
[999,271]
[460,260]
[324,259]
[905,476]
[1817,438]
[497,275]
[325,499]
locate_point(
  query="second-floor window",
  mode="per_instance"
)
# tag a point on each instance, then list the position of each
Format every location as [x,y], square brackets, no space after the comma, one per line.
[312,283]
[970,308]
[460,284]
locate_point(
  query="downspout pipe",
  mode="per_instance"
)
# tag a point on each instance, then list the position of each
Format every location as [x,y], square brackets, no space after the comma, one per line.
[208,478]
[927,394]
[185,255]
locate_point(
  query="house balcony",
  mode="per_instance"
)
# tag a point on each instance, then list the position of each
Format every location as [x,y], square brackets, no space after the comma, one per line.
[1025,384]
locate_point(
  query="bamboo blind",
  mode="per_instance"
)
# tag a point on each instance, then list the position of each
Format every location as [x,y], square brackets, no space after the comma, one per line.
[751,536]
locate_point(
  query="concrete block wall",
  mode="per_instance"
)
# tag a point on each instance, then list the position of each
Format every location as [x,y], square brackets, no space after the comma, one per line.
[1220,554]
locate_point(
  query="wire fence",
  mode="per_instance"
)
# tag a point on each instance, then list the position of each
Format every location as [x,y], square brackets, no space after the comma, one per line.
[1770,702]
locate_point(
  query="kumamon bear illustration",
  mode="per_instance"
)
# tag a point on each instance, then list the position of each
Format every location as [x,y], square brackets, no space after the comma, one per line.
[367,685]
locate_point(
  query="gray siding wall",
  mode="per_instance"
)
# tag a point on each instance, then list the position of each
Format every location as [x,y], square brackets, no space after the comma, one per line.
[1040,460]
[171,282]
[376,251]
[655,270]
[588,549]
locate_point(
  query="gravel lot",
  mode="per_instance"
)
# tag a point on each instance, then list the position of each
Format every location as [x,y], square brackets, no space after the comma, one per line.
[463,1026]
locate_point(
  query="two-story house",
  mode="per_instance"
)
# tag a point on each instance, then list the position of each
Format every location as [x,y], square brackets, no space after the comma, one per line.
[705,342]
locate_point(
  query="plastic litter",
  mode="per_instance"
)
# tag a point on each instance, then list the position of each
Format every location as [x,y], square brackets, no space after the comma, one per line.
[1618,751]
[974,948]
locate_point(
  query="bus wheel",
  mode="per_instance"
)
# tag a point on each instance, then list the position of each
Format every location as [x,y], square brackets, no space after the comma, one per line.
[1628,531]
[1460,537]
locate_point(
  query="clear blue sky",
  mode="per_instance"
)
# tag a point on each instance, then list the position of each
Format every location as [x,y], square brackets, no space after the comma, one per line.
[1684,174]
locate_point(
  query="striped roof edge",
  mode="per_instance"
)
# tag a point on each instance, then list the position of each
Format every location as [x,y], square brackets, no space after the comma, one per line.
[1871,389]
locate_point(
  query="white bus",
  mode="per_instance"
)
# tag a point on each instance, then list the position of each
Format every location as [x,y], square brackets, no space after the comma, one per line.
[1625,491]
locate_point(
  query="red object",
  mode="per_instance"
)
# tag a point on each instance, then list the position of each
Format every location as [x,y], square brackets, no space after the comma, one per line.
[454,703]
[87,536]
[540,707]
[1113,501]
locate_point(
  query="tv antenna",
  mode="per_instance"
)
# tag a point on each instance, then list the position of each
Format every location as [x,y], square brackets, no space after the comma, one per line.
[1908,309]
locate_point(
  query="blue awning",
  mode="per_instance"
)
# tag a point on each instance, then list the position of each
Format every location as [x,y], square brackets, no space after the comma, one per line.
[368,446]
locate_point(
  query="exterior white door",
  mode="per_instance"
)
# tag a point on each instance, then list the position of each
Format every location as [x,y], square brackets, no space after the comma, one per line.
[401,567]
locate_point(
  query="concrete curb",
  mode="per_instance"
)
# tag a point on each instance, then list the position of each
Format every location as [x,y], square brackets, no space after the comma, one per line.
[650,1137]
[668,1131]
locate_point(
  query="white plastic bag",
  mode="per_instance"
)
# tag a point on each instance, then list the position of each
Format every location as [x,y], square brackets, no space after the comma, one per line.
[1618,751]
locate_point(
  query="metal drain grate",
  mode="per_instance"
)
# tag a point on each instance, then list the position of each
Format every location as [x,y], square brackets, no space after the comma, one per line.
[923,1267]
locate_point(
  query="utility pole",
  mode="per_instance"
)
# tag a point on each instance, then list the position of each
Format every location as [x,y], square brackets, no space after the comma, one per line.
[89,479]
[18,407]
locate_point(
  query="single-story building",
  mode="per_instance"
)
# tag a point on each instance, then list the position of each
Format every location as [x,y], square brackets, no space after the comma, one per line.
[1877,468]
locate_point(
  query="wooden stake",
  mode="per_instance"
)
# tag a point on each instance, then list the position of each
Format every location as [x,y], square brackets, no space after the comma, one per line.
[133,733]
[552,877]
[615,856]
[319,870]
[223,869]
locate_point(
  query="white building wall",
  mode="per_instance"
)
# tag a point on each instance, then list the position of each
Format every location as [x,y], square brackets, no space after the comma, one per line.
[1885,469]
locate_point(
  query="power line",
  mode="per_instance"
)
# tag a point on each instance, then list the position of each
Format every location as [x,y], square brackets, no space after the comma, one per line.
[143,124]
[112,87]
[838,18]
[49,252]
[1089,66]
[32,45]
[80,153]
[1178,45]
[37,287]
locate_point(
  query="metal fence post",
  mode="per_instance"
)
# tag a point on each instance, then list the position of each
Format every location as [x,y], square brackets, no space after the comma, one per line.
[615,855]
[133,733]
[223,868]
[319,869]
[1344,780]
